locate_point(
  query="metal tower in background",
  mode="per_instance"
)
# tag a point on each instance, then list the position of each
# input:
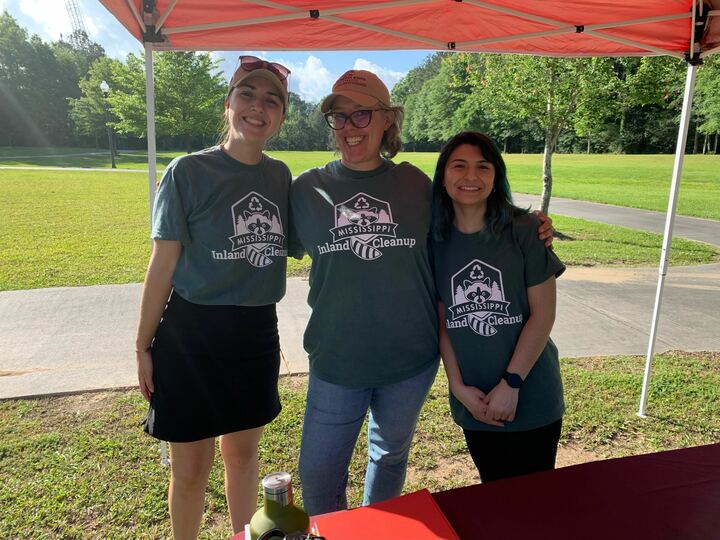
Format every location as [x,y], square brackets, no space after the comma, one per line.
[79,34]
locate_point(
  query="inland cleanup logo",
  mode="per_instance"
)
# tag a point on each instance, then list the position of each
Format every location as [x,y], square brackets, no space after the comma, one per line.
[479,300]
[258,231]
[364,225]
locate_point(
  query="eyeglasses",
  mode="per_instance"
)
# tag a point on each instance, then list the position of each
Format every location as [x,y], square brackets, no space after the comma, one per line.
[360,118]
[251,63]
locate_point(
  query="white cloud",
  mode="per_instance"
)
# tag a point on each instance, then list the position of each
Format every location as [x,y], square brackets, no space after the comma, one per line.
[388,76]
[50,16]
[312,79]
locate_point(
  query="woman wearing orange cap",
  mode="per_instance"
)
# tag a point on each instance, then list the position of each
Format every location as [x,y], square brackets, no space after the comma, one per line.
[208,357]
[372,338]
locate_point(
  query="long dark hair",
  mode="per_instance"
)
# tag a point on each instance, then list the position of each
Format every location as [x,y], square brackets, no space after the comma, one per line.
[500,208]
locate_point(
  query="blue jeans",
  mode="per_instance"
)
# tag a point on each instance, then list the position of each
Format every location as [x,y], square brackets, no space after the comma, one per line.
[333,417]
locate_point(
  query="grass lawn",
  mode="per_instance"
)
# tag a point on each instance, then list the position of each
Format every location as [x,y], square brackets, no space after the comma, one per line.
[639,181]
[80,467]
[69,228]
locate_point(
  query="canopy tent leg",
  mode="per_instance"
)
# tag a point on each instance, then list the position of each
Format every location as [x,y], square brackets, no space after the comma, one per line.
[669,223]
[150,108]
[152,165]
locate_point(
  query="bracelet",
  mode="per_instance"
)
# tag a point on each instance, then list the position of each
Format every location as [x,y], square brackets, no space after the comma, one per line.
[142,350]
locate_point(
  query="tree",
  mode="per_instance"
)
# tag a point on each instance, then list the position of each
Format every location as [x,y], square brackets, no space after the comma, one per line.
[304,127]
[540,89]
[708,102]
[36,80]
[189,95]
[89,112]
[32,109]
[406,92]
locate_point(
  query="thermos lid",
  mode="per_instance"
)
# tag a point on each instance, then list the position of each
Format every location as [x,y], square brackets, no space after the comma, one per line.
[276,483]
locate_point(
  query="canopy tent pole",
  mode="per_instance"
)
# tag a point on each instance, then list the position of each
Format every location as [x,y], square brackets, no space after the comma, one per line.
[150,107]
[669,222]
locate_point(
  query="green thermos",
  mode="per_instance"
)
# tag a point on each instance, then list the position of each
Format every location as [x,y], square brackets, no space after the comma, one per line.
[278,512]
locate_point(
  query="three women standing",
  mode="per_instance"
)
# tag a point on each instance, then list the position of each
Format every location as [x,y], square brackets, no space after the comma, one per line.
[220,231]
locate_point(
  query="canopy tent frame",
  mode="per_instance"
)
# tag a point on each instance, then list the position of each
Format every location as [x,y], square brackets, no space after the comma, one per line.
[152,29]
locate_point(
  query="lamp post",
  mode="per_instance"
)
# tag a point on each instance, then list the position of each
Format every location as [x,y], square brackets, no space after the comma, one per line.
[105,88]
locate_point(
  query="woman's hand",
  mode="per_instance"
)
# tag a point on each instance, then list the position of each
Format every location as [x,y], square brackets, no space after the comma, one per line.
[145,373]
[545,230]
[474,401]
[501,402]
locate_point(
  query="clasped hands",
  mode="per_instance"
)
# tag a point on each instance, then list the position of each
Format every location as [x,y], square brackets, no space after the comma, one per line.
[494,408]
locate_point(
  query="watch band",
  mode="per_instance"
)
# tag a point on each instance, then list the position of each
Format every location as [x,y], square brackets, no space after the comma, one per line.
[513,380]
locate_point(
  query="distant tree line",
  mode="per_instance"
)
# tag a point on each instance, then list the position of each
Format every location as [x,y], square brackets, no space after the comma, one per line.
[51,96]
[543,104]
[622,105]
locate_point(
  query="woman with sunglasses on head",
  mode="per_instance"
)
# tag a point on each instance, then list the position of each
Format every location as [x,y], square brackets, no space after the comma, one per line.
[208,357]
[372,338]
[496,285]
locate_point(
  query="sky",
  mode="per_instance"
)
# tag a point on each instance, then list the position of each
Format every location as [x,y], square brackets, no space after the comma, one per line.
[313,72]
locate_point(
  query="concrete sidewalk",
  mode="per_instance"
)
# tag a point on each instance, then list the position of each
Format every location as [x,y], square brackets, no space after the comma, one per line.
[701,230]
[81,338]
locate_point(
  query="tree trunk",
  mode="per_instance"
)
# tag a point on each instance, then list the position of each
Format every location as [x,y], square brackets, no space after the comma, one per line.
[505,145]
[621,142]
[188,143]
[696,140]
[547,171]
[716,144]
[588,145]
[706,143]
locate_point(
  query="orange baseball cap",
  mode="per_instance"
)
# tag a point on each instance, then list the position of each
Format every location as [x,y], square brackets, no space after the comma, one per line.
[363,87]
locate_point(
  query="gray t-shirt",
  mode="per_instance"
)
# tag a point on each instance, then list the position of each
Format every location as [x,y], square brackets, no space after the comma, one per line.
[232,221]
[483,279]
[374,320]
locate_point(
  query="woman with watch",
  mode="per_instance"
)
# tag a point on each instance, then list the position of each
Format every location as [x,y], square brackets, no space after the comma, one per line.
[496,284]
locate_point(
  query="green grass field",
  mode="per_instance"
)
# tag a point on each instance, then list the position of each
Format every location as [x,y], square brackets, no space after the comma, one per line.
[80,467]
[70,228]
[638,181]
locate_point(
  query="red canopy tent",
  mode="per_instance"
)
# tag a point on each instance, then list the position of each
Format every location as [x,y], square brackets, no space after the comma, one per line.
[688,29]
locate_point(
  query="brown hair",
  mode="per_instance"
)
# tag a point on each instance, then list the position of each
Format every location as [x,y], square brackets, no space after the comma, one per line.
[392,138]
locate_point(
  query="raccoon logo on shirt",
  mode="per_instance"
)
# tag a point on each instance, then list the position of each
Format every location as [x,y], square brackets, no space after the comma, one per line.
[364,225]
[479,300]
[258,229]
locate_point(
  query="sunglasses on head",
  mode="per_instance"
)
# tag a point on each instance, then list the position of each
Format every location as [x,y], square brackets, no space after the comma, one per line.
[251,63]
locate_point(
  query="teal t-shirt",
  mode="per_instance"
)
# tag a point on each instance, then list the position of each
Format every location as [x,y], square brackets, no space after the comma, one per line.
[482,279]
[232,221]
[374,320]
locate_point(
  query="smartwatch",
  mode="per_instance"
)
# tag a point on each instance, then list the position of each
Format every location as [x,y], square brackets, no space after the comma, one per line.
[513,379]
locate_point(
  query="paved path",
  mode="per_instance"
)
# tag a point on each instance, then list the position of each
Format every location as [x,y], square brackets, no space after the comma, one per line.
[702,230]
[81,338]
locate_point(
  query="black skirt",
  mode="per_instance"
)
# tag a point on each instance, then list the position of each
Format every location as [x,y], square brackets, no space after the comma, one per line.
[215,370]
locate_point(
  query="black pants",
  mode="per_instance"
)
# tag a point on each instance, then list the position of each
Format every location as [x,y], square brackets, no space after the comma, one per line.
[502,454]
